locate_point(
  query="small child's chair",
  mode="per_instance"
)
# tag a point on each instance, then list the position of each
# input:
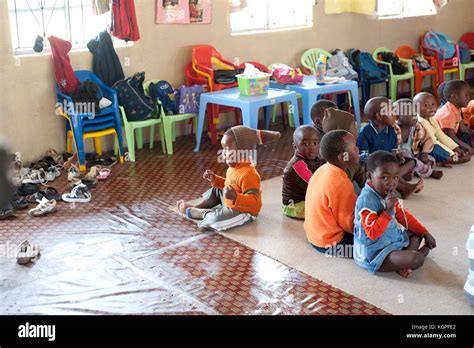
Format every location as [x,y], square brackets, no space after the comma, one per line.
[393,78]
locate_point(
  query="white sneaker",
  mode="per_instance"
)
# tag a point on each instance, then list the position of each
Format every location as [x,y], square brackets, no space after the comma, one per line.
[79,194]
[35,177]
[26,252]
[44,207]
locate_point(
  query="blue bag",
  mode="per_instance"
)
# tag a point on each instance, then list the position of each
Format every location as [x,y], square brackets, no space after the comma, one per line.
[188,99]
[440,43]
[365,63]
[163,91]
[464,53]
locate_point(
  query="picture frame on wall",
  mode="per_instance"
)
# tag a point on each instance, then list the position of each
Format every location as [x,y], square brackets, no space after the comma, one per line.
[172,11]
[183,11]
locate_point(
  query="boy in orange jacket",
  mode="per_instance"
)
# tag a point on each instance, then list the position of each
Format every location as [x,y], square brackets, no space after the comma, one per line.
[235,199]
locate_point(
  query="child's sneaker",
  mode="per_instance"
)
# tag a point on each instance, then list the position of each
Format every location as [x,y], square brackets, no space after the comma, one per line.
[73,173]
[79,194]
[26,252]
[44,207]
[6,211]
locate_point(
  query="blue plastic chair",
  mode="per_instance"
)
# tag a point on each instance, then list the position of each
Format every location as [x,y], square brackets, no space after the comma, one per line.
[80,123]
[364,83]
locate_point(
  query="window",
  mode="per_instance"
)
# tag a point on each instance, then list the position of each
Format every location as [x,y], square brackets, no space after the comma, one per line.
[405,8]
[71,20]
[261,15]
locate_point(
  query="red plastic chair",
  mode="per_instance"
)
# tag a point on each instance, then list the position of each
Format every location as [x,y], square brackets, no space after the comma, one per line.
[407,52]
[468,38]
[443,66]
[204,58]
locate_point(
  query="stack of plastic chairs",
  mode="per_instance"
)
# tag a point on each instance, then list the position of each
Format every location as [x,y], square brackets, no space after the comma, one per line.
[443,66]
[204,58]
[469,287]
[90,124]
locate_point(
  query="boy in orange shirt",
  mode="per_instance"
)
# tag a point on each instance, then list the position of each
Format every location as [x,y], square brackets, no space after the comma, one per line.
[449,117]
[236,199]
[330,197]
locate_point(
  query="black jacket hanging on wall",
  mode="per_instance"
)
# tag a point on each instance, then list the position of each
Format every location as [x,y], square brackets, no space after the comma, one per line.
[106,63]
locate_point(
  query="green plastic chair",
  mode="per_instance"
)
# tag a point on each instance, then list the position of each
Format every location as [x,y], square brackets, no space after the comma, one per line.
[132,126]
[309,60]
[169,121]
[464,67]
[394,79]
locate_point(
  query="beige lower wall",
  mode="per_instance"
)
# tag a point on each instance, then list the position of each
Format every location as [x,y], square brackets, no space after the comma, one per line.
[27,119]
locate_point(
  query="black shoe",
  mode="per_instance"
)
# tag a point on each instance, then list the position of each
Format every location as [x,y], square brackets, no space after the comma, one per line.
[27,189]
[6,211]
[19,202]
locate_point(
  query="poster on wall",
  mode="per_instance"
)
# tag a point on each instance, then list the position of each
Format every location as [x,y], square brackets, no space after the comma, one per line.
[200,11]
[172,11]
[183,11]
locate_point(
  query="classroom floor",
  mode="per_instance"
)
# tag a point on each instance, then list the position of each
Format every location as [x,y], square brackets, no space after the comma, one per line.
[126,252]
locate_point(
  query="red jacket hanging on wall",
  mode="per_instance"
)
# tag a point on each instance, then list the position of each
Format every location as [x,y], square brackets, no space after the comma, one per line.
[63,72]
[124,20]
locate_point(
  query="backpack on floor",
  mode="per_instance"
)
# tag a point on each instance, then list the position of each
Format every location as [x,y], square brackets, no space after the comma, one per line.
[163,91]
[397,67]
[440,43]
[132,98]
[366,65]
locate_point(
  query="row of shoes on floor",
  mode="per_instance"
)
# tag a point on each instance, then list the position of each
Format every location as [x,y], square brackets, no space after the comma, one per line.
[28,181]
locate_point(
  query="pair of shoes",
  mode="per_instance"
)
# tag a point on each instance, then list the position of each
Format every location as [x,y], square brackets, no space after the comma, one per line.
[44,207]
[27,189]
[58,159]
[19,202]
[89,183]
[73,173]
[79,194]
[26,252]
[35,177]
[7,211]
[50,193]
[73,160]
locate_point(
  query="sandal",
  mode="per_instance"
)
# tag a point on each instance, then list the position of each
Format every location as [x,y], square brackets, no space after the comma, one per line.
[93,172]
[26,252]
[44,207]
[50,193]
[104,174]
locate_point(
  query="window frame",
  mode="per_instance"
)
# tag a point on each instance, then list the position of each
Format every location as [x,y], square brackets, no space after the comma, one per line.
[403,14]
[269,27]
[65,10]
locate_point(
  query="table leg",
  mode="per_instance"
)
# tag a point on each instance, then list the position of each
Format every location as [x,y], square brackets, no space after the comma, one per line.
[355,102]
[201,117]
[268,115]
[307,105]
[249,116]
[294,111]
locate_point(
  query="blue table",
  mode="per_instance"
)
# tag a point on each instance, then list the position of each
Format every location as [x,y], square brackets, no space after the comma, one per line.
[310,92]
[249,105]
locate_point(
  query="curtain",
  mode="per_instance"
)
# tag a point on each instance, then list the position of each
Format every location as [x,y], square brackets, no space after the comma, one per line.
[366,7]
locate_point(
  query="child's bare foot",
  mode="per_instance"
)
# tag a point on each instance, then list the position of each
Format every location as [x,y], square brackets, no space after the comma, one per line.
[445,164]
[420,185]
[182,205]
[424,250]
[405,273]
[437,174]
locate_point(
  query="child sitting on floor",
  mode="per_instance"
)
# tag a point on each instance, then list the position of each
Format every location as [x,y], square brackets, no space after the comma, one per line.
[317,114]
[330,197]
[338,119]
[449,116]
[445,150]
[413,141]
[236,199]
[379,134]
[299,170]
[387,238]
